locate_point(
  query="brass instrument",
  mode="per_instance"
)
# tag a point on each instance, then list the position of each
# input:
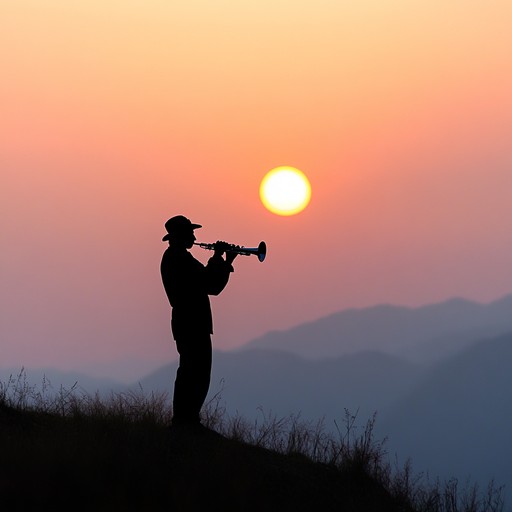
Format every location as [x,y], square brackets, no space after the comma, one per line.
[260,251]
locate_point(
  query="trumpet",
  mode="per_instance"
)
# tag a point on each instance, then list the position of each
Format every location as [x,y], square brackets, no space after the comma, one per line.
[260,251]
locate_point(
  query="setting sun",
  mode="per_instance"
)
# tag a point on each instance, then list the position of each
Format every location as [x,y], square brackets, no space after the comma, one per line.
[285,191]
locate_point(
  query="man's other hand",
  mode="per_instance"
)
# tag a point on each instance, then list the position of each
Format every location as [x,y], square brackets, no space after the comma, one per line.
[230,256]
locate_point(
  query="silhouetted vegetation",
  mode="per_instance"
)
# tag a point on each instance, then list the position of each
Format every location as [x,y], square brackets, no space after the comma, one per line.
[63,448]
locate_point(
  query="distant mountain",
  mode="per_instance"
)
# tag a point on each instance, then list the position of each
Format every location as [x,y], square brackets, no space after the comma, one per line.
[262,381]
[423,334]
[458,419]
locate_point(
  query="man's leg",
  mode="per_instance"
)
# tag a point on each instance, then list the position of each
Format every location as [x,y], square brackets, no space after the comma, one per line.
[192,378]
[184,384]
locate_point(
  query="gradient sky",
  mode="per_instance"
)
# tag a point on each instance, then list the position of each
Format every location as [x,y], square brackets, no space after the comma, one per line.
[115,116]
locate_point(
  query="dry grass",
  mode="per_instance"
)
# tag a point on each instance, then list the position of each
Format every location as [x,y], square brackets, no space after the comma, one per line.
[353,451]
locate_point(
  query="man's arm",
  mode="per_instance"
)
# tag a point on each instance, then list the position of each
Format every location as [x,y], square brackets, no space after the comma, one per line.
[218,269]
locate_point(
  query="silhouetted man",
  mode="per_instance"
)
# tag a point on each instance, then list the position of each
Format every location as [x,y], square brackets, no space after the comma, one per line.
[188,283]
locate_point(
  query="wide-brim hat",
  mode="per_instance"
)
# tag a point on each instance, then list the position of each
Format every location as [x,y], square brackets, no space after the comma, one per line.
[179,225]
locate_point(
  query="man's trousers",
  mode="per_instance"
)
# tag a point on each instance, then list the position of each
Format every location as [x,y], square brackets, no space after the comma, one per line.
[192,378]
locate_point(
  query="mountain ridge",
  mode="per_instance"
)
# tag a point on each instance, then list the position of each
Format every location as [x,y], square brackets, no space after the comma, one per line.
[407,331]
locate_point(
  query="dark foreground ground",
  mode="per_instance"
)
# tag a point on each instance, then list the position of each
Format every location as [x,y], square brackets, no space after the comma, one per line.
[50,462]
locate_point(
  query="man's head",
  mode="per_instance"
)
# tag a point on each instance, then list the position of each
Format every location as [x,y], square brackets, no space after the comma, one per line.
[180,229]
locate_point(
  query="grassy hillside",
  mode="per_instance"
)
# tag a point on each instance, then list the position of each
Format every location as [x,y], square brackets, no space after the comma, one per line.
[83,453]
[92,463]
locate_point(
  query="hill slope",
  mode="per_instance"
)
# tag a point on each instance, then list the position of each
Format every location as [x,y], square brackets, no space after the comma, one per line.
[83,462]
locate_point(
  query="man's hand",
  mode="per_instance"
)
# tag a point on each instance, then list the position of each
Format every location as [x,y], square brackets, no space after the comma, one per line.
[230,256]
[220,247]
[223,247]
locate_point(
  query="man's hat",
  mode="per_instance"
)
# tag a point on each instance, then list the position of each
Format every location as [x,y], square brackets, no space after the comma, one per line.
[178,225]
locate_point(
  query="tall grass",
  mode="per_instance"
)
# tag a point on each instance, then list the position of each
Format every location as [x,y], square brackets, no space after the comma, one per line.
[131,406]
[353,450]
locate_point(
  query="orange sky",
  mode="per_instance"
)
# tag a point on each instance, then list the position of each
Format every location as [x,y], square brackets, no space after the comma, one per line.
[117,115]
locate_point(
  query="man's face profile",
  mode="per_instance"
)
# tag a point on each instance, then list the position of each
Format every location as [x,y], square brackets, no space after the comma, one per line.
[185,238]
[190,239]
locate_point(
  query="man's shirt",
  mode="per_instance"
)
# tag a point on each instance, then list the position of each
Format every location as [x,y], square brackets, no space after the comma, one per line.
[187,283]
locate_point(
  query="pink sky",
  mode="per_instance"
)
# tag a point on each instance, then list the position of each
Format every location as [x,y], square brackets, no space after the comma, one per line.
[118,115]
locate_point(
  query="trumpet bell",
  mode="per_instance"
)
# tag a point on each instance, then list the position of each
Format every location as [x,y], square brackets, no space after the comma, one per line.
[262,251]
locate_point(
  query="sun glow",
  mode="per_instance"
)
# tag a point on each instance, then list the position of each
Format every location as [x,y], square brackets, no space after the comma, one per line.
[285,191]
